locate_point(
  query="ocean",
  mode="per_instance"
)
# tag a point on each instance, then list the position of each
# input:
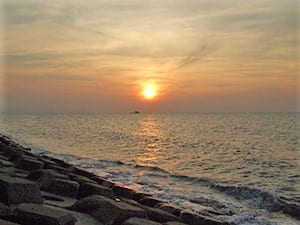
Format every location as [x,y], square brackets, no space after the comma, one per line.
[243,165]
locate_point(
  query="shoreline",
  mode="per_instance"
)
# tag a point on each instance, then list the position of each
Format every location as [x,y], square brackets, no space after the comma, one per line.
[39,189]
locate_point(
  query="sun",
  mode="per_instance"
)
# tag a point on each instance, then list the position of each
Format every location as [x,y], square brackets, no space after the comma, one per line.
[149,92]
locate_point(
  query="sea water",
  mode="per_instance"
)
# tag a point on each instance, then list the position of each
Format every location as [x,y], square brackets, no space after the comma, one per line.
[243,165]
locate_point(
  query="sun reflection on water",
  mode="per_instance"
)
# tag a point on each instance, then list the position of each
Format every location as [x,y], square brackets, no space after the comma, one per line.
[151,134]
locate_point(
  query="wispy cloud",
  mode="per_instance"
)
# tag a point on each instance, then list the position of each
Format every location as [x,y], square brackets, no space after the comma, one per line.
[196,55]
[186,46]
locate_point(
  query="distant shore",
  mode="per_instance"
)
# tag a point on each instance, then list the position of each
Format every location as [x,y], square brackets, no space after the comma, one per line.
[44,190]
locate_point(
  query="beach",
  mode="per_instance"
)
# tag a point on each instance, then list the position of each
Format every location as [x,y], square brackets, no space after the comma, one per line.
[44,190]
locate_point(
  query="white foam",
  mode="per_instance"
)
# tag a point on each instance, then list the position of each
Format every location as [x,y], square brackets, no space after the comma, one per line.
[187,193]
[248,219]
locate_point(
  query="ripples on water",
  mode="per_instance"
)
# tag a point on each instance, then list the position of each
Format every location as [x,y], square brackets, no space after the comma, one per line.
[245,156]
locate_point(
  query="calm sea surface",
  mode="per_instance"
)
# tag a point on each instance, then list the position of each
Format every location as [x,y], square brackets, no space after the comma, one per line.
[245,165]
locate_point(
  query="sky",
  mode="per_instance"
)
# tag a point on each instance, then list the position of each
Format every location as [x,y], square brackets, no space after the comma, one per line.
[199,55]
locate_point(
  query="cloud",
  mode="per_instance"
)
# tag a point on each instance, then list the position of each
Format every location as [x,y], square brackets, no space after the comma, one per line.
[48,77]
[187,46]
[196,55]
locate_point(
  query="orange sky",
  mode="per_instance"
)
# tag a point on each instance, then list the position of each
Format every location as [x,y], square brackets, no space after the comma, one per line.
[98,55]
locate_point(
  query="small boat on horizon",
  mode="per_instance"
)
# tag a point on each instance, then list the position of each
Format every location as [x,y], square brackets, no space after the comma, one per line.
[135,112]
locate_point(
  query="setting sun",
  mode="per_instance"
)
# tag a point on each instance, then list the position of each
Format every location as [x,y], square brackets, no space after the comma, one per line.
[149,92]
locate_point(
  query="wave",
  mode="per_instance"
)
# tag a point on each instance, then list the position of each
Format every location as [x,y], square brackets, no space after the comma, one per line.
[260,198]
[199,180]
[253,196]
[153,168]
[116,162]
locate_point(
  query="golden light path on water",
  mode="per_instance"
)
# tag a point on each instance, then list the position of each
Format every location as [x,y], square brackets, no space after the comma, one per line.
[151,133]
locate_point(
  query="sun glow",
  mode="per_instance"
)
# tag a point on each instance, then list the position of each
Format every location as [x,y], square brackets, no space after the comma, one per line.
[149,92]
